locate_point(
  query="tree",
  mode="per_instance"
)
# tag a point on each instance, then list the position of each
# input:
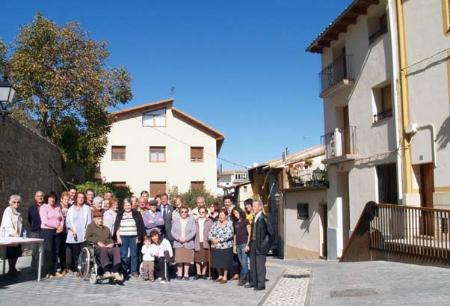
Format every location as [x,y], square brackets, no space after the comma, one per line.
[63,84]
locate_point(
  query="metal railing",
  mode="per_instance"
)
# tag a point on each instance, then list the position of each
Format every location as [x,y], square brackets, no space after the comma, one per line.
[340,142]
[340,69]
[412,231]
[309,177]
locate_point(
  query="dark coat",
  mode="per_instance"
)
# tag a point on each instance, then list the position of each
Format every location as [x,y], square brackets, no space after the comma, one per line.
[167,229]
[34,219]
[140,227]
[264,234]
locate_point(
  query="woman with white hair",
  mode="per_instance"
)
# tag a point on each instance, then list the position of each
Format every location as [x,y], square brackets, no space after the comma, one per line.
[11,226]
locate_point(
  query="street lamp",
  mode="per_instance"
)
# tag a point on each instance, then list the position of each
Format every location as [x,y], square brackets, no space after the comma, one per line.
[6,97]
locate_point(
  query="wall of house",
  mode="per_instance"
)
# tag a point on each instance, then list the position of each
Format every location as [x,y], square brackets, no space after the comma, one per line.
[302,238]
[429,88]
[178,170]
[26,159]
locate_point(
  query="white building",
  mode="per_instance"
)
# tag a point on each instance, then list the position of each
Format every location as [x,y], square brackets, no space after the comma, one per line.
[385,91]
[157,147]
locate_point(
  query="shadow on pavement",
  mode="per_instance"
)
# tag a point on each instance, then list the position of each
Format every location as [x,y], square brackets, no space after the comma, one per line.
[25,275]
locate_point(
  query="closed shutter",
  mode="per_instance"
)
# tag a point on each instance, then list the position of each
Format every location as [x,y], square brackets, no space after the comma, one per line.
[118,152]
[196,154]
[157,188]
[197,185]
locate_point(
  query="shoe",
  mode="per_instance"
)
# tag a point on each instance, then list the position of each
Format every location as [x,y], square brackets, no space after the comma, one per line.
[107,274]
[223,281]
[135,274]
[159,278]
[77,274]
[179,278]
[186,278]
[259,288]
[204,277]
[196,277]
[49,276]
[12,273]
[118,277]
[58,275]
[235,277]
[242,282]
[162,281]
[218,279]
[249,286]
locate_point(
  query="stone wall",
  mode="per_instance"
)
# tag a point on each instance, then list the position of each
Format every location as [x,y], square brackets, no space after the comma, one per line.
[26,162]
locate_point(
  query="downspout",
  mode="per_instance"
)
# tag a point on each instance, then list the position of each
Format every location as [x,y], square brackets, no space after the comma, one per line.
[404,95]
[396,87]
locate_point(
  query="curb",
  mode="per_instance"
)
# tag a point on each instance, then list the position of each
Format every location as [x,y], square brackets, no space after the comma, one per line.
[266,295]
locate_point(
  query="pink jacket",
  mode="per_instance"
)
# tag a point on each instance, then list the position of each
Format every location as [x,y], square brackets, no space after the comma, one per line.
[51,217]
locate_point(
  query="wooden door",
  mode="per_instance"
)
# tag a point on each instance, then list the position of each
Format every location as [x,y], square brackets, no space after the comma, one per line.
[324,230]
[426,198]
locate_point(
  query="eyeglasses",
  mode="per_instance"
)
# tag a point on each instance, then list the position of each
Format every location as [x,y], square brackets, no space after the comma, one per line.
[15,202]
[184,211]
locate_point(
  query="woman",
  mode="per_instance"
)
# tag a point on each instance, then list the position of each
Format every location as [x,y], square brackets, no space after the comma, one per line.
[183,233]
[178,203]
[12,227]
[241,241]
[52,224]
[221,236]
[203,225]
[134,202]
[109,217]
[163,254]
[77,220]
[61,237]
[214,210]
[129,232]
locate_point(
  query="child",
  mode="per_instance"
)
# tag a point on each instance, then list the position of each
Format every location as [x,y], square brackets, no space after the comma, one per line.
[148,259]
[163,254]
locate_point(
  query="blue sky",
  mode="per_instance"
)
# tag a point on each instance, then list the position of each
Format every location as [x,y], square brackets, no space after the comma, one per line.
[237,65]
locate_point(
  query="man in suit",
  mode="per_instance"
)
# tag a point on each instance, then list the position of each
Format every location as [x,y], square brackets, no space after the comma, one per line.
[166,211]
[261,238]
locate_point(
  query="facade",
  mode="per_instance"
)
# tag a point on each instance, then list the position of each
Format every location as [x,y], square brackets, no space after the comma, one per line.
[385,91]
[157,147]
[236,184]
[294,190]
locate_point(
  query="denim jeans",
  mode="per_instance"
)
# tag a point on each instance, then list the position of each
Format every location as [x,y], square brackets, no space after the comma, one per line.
[243,260]
[129,242]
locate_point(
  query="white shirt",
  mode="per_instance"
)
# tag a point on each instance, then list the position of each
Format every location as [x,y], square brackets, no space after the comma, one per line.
[149,251]
[257,216]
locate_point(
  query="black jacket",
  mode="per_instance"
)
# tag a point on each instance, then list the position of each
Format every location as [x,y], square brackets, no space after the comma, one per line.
[167,229]
[264,234]
[140,227]
[34,219]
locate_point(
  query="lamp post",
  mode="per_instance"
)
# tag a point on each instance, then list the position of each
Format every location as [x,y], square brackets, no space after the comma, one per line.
[7,93]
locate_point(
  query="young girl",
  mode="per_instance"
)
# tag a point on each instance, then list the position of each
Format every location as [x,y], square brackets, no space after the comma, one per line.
[163,253]
[148,259]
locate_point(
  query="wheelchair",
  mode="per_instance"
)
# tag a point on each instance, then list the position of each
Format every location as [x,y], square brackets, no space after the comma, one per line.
[89,268]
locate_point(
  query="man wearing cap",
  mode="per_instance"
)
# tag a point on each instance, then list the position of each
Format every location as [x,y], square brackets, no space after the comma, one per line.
[105,252]
[153,218]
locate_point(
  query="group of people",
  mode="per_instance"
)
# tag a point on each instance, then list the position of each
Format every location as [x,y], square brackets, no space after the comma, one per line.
[147,237]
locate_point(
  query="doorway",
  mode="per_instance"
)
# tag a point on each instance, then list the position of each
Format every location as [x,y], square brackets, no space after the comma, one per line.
[324,223]
[426,189]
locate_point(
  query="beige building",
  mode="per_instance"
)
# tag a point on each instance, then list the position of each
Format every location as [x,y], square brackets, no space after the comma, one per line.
[157,147]
[385,90]
[294,189]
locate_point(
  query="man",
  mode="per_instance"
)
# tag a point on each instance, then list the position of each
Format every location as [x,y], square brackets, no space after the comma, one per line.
[248,206]
[90,197]
[72,194]
[146,196]
[166,211]
[105,252]
[261,238]
[34,219]
[107,196]
[228,203]
[158,198]
[199,202]
[142,205]
[153,218]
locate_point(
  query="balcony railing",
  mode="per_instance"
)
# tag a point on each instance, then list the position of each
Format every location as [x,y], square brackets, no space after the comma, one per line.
[308,177]
[340,69]
[340,142]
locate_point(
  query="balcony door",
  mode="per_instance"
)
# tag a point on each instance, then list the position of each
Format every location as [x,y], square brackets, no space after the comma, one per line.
[426,198]
[346,133]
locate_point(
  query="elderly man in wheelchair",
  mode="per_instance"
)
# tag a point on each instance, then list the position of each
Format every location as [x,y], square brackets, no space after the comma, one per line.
[107,255]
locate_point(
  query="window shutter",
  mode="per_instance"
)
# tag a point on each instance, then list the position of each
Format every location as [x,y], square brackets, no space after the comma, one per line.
[118,152]
[157,188]
[197,185]
[196,154]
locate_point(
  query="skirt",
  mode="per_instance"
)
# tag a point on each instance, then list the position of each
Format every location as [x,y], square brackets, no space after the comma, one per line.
[183,255]
[13,252]
[201,255]
[222,258]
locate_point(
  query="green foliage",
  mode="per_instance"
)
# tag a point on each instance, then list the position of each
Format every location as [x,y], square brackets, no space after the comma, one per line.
[190,196]
[62,82]
[119,192]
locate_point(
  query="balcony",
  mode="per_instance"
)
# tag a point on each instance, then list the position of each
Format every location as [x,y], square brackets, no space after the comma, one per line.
[340,145]
[336,76]
[307,178]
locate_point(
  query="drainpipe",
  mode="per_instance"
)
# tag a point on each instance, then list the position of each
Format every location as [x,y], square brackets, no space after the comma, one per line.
[404,95]
[396,87]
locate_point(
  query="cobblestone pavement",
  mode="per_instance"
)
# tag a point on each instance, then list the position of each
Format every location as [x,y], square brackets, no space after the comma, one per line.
[375,283]
[71,291]
[292,287]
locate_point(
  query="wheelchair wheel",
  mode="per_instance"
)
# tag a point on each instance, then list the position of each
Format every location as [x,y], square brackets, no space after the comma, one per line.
[85,264]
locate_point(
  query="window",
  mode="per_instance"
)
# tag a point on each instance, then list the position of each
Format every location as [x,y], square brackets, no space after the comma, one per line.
[446,15]
[157,154]
[119,184]
[196,154]
[154,118]
[118,152]
[157,188]
[245,188]
[383,102]
[303,211]
[197,185]
[387,183]
[377,26]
